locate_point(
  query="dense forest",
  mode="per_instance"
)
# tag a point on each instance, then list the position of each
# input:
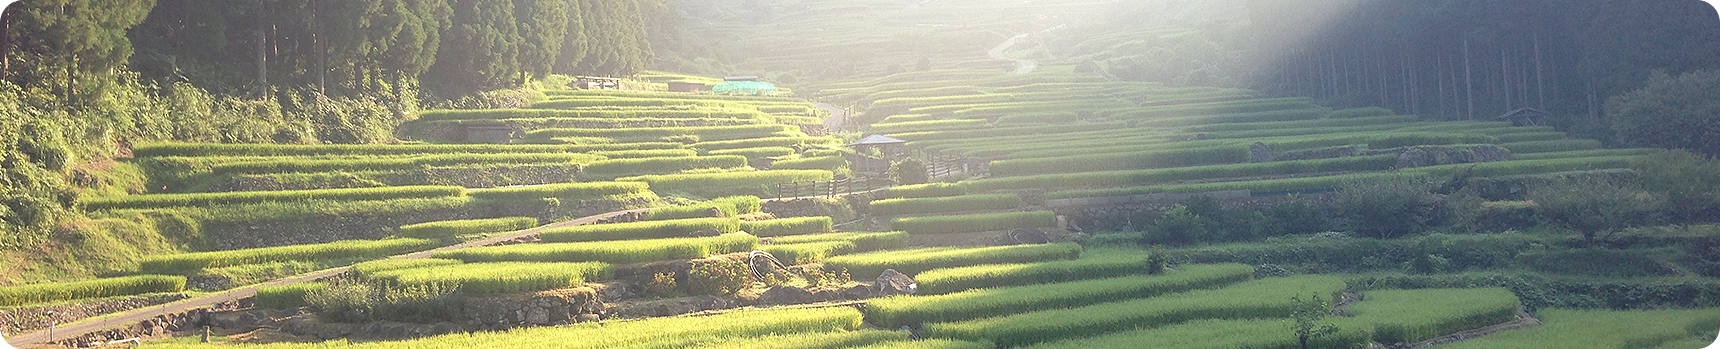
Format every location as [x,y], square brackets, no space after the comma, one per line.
[83,79]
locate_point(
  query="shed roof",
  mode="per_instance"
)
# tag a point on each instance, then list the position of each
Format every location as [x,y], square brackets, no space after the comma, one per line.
[878,140]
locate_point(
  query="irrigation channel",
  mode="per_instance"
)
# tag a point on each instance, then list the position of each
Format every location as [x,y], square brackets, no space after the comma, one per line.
[128,318]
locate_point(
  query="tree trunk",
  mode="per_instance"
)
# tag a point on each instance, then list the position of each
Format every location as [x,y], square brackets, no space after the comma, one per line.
[318,43]
[1505,76]
[1469,79]
[5,46]
[1540,81]
[262,52]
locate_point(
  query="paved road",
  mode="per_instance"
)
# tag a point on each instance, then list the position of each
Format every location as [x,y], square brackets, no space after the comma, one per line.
[1022,66]
[132,317]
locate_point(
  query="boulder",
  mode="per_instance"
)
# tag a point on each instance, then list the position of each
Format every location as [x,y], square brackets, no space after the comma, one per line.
[893,282]
[1259,152]
[714,212]
[1435,155]
[785,294]
[857,292]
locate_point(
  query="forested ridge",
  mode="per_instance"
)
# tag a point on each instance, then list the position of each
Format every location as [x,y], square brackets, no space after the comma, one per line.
[84,79]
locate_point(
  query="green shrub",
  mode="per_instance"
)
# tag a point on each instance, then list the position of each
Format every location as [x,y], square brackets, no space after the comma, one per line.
[234,198]
[492,278]
[828,163]
[729,183]
[1353,113]
[120,286]
[614,252]
[566,191]
[448,229]
[1387,208]
[640,230]
[717,277]
[989,302]
[928,190]
[909,171]
[371,267]
[810,252]
[863,242]
[285,296]
[942,281]
[1267,298]
[897,207]
[612,169]
[1409,316]
[1596,208]
[974,222]
[644,154]
[729,206]
[787,226]
[1179,226]
[914,261]
[350,249]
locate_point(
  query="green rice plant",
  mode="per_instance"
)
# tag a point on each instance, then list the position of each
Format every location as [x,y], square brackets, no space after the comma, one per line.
[757,183]
[863,242]
[1319,123]
[827,163]
[669,95]
[1217,334]
[897,207]
[290,165]
[225,149]
[1583,154]
[1038,117]
[1010,131]
[577,103]
[1553,146]
[371,267]
[1525,167]
[1138,177]
[1215,108]
[614,252]
[788,226]
[922,126]
[110,287]
[810,252]
[285,296]
[1120,161]
[511,114]
[642,154]
[449,229]
[1564,328]
[234,198]
[640,230]
[572,191]
[1261,186]
[350,249]
[1532,137]
[756,154]
[612,169]
[655,333]
[826,340]
[942,281]
[914,261]
[989,302]
[710,146]
[713,133]
[1408,316]
[732,206]
[928,190]
[974,222]
[1266,298]
[1232,118]
[1353,113]
[493,278]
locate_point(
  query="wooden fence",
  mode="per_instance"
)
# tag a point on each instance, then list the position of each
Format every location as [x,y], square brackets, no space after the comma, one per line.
[830,188]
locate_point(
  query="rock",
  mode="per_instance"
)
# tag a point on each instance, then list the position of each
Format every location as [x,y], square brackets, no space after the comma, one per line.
[825,295]
[1259,152]
[785,294]
[893,282]
[706,233]
[1435,155]
[857,292]
[587,318]
[715,213]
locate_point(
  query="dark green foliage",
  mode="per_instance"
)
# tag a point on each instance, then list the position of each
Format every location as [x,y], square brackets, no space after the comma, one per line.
[1670,112]
[449,229]
[1597,209]
[121,286]
[1600,262]
[1309,314]
[717,277]
[480,50]
[1178,226]
[357,302]
[543,27]
[909,172]
[1690,182]
[1388,208]
[619,45]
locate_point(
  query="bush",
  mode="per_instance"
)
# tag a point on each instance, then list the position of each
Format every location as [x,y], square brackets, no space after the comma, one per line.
[914,261]
[909,172]
[234,198]
[1597,209]
[613,252]
[1179,226]
[989,302]
[612,169]
[974,222]
[449,229]
[787,226]
[11,296]
[492,278]
[728,183]
[717,277]
[640,230]
[567,191]
[1267,298]
[941,281]
[1387,208]
[286,296]
[897,207]
[729,206]
[810,252]
[350,249]
[1670,112]
[1690,182]
[863,242]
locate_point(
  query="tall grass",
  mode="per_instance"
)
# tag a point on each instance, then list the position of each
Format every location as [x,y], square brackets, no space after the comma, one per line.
[233,198]
[989,302]
[448,229]
[729,207]
[640,230]
[614,252]
[942,281]
[788,226]
[755,154]
[1408,316]
[578,191]
[897,207]
[646,153]
[916,261]
[98,288]
[974,222]
[612,169]
[190,262]
[492,278]
[863,242]
[728,183]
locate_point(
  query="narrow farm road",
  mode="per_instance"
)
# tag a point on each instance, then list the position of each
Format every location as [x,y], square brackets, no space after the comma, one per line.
[838,116]
[129,318]
[1022,66]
